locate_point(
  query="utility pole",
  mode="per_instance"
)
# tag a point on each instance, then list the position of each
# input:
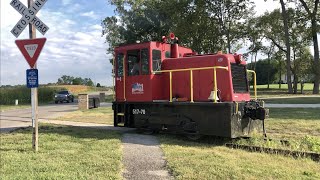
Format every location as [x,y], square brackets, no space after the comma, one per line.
[34,95]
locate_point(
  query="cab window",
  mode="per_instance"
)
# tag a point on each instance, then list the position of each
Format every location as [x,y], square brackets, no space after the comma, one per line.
[168,54]
[156,60]
[145,61]
[133,63]
[120,64]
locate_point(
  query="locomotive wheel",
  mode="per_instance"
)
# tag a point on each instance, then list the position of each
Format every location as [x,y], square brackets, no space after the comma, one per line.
[146,131]
[194,136]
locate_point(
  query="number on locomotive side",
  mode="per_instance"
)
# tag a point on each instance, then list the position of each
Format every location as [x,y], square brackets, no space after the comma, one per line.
[138,111]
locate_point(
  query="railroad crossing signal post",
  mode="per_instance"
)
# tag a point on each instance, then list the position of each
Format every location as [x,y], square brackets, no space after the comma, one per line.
[34,95]
[31,49]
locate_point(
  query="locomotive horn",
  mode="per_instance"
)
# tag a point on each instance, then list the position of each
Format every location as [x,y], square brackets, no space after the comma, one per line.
[172,36]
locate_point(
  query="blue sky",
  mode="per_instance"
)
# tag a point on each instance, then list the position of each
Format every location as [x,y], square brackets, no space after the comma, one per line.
[74,44]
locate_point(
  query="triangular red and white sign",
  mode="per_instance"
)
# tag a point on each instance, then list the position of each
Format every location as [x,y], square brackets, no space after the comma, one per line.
[30,49]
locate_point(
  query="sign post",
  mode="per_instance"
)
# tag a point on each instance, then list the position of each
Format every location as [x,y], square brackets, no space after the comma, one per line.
[31,49]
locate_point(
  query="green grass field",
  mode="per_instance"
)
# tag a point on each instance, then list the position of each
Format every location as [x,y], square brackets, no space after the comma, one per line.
[301,126]
[307,86]
[64,153]
[101,115]
[192,160]
[274,91]
[294,100]
[9,107]
[209,159]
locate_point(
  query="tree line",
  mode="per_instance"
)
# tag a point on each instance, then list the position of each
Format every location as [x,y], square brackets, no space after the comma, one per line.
[70,80]
[283,35]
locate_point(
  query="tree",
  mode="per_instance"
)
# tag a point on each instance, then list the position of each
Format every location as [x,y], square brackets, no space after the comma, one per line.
[313,16]
[98,85]
[285,19]
[268,51]
[77,81]
[231,15]
[264,67]
[88,82]
[204,25]
[66,80]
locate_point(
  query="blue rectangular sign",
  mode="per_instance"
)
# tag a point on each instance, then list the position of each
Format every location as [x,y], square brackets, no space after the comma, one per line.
[32,78]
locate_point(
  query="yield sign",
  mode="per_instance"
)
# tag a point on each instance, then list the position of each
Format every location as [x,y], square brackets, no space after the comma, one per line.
[30,49]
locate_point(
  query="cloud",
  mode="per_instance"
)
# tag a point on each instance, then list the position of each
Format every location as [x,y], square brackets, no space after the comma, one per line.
[74,47]
[90,14]
[66,2]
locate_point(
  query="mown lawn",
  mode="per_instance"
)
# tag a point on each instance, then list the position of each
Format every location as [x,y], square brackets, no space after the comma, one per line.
[101,115]
[294,100]
[306,86]
[300,126]
[294,123]
[209,159]
[64,153]
[274,91]
[192,160]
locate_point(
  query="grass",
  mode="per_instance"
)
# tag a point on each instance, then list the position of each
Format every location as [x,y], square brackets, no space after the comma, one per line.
[274,90]
[10,107]
[8,95]
[301,127]
[307,86]
[294,100]
[294,123]
[109,98]
[64,153]
[209,159]
[101,115]
[197,160]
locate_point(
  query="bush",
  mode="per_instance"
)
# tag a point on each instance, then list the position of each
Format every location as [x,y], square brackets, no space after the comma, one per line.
[8,95]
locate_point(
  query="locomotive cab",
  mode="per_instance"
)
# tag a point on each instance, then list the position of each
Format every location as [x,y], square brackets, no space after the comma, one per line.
[136,71]
[166,87]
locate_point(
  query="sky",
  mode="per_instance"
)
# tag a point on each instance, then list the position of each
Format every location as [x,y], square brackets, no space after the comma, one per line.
[75,45]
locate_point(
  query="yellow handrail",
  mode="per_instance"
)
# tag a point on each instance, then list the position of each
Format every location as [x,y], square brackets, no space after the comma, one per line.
[191,78]
[254,83]
[170,86]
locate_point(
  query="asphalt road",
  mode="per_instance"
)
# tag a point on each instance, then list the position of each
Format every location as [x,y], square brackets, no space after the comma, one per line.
[12,119]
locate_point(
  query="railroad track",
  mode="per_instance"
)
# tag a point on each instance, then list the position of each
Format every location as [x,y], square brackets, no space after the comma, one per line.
[295,154]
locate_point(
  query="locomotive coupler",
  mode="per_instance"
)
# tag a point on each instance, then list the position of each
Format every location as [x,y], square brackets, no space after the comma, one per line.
[255,110]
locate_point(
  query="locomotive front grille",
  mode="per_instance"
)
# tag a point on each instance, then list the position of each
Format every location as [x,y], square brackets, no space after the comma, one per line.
[239,78]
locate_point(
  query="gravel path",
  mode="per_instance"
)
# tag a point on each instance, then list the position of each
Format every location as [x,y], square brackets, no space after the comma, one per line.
[143,158]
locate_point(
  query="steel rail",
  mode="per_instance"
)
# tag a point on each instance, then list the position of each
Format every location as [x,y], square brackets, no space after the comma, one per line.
[295,154]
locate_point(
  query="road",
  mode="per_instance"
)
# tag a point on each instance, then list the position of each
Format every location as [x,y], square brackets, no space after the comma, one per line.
[12,119]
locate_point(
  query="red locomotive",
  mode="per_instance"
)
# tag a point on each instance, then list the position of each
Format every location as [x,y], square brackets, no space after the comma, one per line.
[162,86]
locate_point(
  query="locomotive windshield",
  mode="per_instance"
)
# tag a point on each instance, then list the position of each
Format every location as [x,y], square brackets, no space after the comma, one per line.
[133,63]
[156,60]
[145,61]
[239,78]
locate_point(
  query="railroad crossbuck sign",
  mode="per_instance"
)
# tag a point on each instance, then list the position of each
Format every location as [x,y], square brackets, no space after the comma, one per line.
[30,49]
[28,16]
